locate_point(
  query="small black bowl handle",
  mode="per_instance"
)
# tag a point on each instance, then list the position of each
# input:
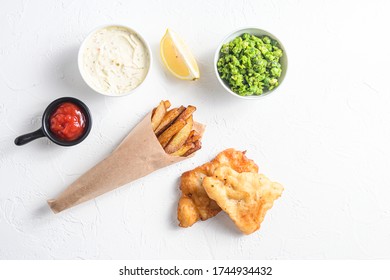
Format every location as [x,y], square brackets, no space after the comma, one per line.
[24,139]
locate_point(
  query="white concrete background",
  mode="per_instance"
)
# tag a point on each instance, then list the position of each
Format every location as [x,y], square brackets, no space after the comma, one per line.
[325,135]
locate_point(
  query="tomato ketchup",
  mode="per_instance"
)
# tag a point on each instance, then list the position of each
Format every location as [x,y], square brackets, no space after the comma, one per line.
[67,122]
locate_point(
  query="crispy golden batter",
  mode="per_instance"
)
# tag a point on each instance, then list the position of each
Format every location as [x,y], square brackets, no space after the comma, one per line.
[194,203]
[245,196]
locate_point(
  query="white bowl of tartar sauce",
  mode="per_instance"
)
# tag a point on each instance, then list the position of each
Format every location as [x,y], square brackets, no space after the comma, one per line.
[114,60]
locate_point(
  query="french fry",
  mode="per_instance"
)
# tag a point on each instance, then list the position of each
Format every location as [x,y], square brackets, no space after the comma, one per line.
[167,104]
[184,149]
[173,129]
[180,138]
[169,118]
[158,115]
[195,136]
[187,112]
[190,137]
[197,145]
[167,135]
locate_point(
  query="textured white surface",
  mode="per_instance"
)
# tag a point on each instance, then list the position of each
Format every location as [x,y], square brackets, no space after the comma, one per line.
[325,135]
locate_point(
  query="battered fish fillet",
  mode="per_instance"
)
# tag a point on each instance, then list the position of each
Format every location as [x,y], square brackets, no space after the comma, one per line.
[245,197]
[194,203]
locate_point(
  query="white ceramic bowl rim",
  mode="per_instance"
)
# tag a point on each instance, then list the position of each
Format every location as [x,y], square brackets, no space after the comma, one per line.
[239,32]
[81,49]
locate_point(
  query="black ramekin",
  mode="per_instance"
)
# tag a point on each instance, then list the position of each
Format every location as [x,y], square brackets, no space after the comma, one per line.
[45,131]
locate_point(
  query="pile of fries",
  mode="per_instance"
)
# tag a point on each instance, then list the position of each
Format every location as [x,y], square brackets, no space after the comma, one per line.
[174,129]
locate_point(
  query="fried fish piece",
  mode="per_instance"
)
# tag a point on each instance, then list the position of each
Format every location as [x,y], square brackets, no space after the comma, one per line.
[194,203]
[245,197]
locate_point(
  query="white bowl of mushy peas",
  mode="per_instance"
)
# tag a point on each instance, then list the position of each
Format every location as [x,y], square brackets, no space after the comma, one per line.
[114,60]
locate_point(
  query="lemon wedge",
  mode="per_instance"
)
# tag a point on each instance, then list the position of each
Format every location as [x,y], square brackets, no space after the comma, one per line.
[177,57]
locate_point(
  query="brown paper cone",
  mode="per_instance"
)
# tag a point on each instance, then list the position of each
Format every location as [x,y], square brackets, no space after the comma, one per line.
[138,155]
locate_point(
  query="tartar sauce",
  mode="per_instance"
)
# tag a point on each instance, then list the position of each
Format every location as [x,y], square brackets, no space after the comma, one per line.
[115,60]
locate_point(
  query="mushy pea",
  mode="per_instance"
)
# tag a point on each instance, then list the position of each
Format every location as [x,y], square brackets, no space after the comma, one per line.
[250,65]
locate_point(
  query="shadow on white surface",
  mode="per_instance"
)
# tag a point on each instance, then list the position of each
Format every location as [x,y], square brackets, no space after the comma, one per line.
[174,223]
[209,84]
[42,211]
[69,74]
[222,224]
